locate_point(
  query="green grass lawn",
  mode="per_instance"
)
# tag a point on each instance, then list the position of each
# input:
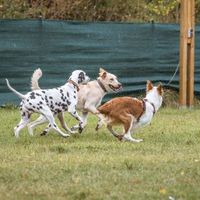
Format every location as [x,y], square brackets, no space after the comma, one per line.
[96,166]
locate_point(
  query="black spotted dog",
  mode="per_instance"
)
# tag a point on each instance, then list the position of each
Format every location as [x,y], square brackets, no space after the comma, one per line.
[50,102]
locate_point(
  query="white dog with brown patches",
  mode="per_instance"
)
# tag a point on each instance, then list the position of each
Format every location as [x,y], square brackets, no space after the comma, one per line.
[131,112]
[89,96]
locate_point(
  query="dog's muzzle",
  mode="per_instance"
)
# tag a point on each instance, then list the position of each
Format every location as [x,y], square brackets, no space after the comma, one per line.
[87,79]
[116,88]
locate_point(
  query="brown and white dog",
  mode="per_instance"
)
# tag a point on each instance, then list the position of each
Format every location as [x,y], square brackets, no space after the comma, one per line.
[89,95]
[131,112]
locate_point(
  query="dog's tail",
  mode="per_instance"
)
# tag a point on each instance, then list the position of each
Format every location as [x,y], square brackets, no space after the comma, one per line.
[15,91]
[105,109]
[37,74]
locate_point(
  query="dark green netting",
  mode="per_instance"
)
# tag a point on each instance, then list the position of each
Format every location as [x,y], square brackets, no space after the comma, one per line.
[134,52]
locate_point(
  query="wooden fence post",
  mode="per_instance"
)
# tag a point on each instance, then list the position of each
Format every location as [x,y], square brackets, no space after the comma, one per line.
[186,57]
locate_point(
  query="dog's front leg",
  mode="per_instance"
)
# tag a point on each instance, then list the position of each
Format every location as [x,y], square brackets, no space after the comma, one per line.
[74,113]
[92,109]
[84,119]
[46,130]
[100,122]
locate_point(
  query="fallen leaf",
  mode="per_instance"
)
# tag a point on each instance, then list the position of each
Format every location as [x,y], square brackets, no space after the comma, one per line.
[162,191]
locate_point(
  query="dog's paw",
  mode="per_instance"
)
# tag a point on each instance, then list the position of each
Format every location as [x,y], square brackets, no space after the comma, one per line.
[80,129]
[139,140]
[120,137]
[74,128]
[72,132]
[66,135]
[130,139]
[43,133]
[97,128]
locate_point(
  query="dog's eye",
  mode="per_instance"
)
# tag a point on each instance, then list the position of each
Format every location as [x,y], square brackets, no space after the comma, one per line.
[112,79]
[81,75]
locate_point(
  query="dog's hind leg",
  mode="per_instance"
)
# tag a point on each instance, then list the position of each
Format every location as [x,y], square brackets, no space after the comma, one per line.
[40,120]
[109,127]
[49,116]
[24,121]
[63,124]
[128,124]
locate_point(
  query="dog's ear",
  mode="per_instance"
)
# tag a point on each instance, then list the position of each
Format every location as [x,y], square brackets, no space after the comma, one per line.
[101,70]
[149,86]
[160,90]
[102,73]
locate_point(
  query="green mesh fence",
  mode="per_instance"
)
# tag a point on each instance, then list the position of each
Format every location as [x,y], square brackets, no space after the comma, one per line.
[134,52]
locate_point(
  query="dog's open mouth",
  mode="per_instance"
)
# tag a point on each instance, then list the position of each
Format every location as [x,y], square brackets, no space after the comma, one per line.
[116,89]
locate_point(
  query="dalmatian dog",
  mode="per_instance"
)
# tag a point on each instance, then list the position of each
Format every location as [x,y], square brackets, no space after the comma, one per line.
[50,102]
[90,95]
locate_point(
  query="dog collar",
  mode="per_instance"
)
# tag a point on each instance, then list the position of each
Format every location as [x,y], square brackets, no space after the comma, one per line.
[74,83]
[144,108]
[154,109]
[102,86]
